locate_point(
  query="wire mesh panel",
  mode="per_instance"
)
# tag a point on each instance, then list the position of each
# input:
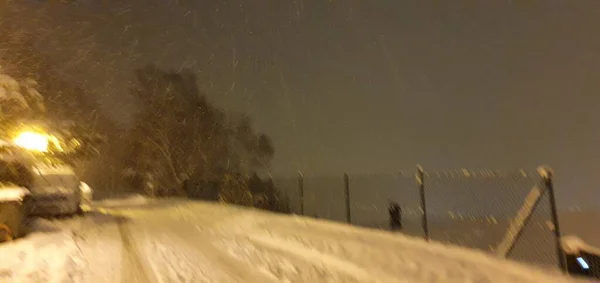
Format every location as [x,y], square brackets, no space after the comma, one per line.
[473,208]
[464,207]
[324,197]
[537,243]
[370,196]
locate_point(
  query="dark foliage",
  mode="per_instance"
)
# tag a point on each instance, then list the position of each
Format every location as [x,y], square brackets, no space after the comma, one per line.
[183,145]
[267,196]
[15,173]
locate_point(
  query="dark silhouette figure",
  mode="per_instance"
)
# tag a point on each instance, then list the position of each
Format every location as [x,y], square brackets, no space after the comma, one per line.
[395,216]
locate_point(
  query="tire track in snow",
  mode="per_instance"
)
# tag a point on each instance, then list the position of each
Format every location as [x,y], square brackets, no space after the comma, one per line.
[132,269]
[175,248]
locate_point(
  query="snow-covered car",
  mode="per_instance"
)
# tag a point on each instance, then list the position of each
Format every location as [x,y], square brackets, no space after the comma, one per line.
[13,209]
[55,190]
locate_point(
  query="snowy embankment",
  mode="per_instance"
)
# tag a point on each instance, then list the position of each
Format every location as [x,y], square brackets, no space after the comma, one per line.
[185,241]
[72,250]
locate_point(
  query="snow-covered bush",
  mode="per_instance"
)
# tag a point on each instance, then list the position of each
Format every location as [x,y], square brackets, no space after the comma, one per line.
[19,98]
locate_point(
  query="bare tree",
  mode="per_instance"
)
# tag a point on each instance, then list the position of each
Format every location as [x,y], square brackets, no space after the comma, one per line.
[179,136]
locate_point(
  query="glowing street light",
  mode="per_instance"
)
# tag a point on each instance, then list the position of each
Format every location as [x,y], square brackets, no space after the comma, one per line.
[32,141]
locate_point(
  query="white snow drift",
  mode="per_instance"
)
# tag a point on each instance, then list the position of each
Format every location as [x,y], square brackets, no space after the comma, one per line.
[184,241]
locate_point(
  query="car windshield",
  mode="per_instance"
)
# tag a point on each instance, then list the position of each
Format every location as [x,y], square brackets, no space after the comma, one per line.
[52,180]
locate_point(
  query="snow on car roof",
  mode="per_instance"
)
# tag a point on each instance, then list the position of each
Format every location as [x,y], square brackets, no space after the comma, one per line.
[12,193]
[47,169]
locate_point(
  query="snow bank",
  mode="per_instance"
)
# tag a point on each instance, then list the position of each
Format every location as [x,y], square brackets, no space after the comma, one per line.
[41,258]
[233,244]
[188,241]
[75,250]
[340,253]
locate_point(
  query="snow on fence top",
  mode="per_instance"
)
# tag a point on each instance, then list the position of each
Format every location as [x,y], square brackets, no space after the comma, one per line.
[13,193]
[478,173]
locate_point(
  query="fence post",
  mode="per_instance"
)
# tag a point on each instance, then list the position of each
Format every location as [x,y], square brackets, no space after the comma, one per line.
[347,196]
[301,189]
[421,183]
[547,176]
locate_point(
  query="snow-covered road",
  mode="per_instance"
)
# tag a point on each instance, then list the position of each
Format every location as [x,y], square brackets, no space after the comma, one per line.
[139,240]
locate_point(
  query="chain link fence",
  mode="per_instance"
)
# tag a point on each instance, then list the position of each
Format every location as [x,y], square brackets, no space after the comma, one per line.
[370,196]
[474,209]
[471,208]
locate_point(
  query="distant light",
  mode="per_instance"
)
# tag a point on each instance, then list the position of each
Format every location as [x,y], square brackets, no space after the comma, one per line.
[582,262]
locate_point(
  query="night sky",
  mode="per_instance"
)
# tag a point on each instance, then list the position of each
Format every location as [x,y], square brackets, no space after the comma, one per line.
[366,86]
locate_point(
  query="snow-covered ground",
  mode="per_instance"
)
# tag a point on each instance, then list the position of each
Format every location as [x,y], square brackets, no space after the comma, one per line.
[85,249]
[140,240]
